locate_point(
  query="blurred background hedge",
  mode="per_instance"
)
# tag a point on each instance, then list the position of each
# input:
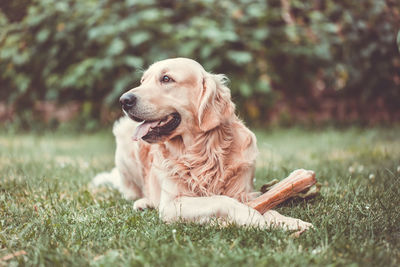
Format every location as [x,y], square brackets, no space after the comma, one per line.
[288,61]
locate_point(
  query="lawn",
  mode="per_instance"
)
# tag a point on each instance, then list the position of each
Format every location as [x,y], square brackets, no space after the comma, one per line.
[50,216]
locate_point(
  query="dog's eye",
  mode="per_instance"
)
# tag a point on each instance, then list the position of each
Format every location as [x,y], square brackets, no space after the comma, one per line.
[166,79]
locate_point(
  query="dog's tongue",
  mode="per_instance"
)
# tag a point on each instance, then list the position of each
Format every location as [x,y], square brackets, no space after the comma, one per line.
[143,128]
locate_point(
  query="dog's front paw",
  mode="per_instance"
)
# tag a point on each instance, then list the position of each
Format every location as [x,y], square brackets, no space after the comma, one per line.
[299,225]
[301,228]
[142,204]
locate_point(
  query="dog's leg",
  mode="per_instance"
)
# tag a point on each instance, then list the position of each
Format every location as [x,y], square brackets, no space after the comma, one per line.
[127,159]
[127,176]
[151,193]
[203,209]
[115,179]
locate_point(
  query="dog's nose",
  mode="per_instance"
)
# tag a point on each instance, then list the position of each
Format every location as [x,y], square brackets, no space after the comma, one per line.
[127,100]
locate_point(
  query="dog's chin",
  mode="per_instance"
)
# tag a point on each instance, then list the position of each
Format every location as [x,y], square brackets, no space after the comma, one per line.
[156,130]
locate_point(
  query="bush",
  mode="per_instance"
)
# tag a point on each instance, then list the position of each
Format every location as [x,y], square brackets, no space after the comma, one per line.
[92,51]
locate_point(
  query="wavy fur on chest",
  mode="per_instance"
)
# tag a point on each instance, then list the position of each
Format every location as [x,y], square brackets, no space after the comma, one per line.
[208,167]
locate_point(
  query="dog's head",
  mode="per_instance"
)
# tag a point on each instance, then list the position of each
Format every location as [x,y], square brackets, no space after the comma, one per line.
[177,96]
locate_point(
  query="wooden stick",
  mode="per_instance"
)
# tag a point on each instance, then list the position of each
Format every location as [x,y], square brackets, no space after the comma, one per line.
[296,182]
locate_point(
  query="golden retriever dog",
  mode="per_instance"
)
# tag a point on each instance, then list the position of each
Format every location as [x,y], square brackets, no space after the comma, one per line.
[182,150]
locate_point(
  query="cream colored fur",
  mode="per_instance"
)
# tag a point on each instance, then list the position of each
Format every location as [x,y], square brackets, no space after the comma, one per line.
[205,168]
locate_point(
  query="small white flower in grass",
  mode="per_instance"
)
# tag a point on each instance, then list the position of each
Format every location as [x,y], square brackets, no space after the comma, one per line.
[316,251]
[174,236]
[398,169]
[367,207]
[372,177]
[351,169]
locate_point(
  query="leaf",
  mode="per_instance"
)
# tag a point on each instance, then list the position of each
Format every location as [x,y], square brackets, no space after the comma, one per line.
[42,35]
[116,47]
[240,57]
[188,48]
[256,10]
[119,88]
[263,84]
[330,27]
[260,34]
[3,20]
[21,58]
[245,89]
[139,37]
[99,32]
[211,33]
[398,40]
[22,82]
[135,62]
[205,51]
[151,14]
[291,33]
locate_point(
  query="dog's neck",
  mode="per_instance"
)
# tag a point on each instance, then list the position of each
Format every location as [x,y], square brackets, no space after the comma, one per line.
[188,138]
[181,144]
[173,148]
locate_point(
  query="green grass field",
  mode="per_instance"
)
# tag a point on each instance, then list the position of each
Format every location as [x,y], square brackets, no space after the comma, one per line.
[49,216]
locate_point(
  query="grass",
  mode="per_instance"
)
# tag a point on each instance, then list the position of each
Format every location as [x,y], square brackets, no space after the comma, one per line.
[49,216]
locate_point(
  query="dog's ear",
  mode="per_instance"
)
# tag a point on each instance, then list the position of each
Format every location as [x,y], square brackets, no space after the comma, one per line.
[215,105]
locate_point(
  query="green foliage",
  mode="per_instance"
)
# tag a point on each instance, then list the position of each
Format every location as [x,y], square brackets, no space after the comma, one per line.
[65,50]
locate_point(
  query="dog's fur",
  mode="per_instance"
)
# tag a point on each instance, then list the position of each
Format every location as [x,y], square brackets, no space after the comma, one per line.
[204,168]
